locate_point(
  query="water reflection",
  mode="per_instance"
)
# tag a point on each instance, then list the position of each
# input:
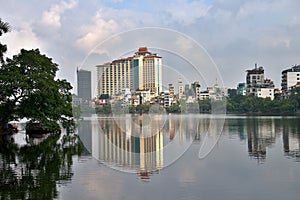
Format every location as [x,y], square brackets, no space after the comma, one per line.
[262,133]
[31,168]
[144,144]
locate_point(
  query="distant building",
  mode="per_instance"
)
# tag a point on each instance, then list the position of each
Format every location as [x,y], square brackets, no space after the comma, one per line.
[187,91]
[216,92]
[204,95]
[241,89]
[171,90]
[84,81]
[290,77]
[254,79]
[196,90]
[257,85]
[180,89]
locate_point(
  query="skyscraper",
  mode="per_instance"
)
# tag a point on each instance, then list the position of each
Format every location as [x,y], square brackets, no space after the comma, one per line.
[147,71]
[84,81]
[142,71]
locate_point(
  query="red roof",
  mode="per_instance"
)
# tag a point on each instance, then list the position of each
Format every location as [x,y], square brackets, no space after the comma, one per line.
[142,50]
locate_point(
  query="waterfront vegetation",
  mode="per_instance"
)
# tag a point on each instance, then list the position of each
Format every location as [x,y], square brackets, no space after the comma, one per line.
[29,89]
[32,171]
[235,103]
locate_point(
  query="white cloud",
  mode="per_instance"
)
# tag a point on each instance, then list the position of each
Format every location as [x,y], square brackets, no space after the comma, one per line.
[97,32]
[187,13]
[22,38]
[52,17]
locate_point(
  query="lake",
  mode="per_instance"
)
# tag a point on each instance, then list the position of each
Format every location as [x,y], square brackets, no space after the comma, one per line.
[189,156]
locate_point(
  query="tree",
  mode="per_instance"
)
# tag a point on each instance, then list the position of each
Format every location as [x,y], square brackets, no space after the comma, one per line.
[4,28]
[295,96]
[28,88]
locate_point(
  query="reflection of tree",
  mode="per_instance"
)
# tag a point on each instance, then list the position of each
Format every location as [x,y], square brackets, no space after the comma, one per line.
[32,171]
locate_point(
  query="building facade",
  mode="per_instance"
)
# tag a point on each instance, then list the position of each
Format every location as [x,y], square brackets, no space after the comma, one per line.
[290,77]
[84,84]
[143,71]
[147,71]
[196,90]
[115,76]
[180,89]
[257,85]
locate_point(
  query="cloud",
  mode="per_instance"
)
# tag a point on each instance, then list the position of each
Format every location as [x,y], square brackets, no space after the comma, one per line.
[97,32]
[52,17]
[186,12]
[20,38]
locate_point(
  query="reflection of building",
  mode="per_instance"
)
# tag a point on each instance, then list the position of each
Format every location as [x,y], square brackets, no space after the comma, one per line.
[291,141]
[84,81]
[260,136]
[137,143]
[130,143]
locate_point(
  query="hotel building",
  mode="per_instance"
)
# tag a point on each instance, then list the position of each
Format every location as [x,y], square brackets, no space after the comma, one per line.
[143,71]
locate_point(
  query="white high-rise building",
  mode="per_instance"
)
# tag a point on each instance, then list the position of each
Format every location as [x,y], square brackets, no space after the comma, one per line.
[180,89]
[290,77]
[147,71]
[115,76]
[143,71]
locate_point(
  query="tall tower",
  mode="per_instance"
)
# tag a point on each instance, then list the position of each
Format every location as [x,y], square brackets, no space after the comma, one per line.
[84,81]
[180,89]
[147,71]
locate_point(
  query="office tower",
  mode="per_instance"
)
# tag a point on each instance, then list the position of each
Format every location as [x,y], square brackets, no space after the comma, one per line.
[84,81]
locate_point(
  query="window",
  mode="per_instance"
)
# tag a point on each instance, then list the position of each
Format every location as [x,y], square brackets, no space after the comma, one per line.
[298,79]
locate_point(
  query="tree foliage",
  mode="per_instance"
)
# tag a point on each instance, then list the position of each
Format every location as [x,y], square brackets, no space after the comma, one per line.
[252,104]
[28,89]
[4,28]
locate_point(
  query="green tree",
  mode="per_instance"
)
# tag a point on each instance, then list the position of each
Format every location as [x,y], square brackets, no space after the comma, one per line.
[295,96]
[4,28]
[28,88]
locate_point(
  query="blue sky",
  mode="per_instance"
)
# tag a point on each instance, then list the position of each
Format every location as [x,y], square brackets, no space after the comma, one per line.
[235,33]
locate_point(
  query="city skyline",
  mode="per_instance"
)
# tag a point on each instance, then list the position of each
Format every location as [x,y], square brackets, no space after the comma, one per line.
[236,34]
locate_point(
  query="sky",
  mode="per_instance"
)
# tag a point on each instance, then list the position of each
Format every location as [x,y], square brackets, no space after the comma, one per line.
[233,34]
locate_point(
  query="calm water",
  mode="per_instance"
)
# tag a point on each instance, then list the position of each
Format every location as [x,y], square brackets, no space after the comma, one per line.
[158,157]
